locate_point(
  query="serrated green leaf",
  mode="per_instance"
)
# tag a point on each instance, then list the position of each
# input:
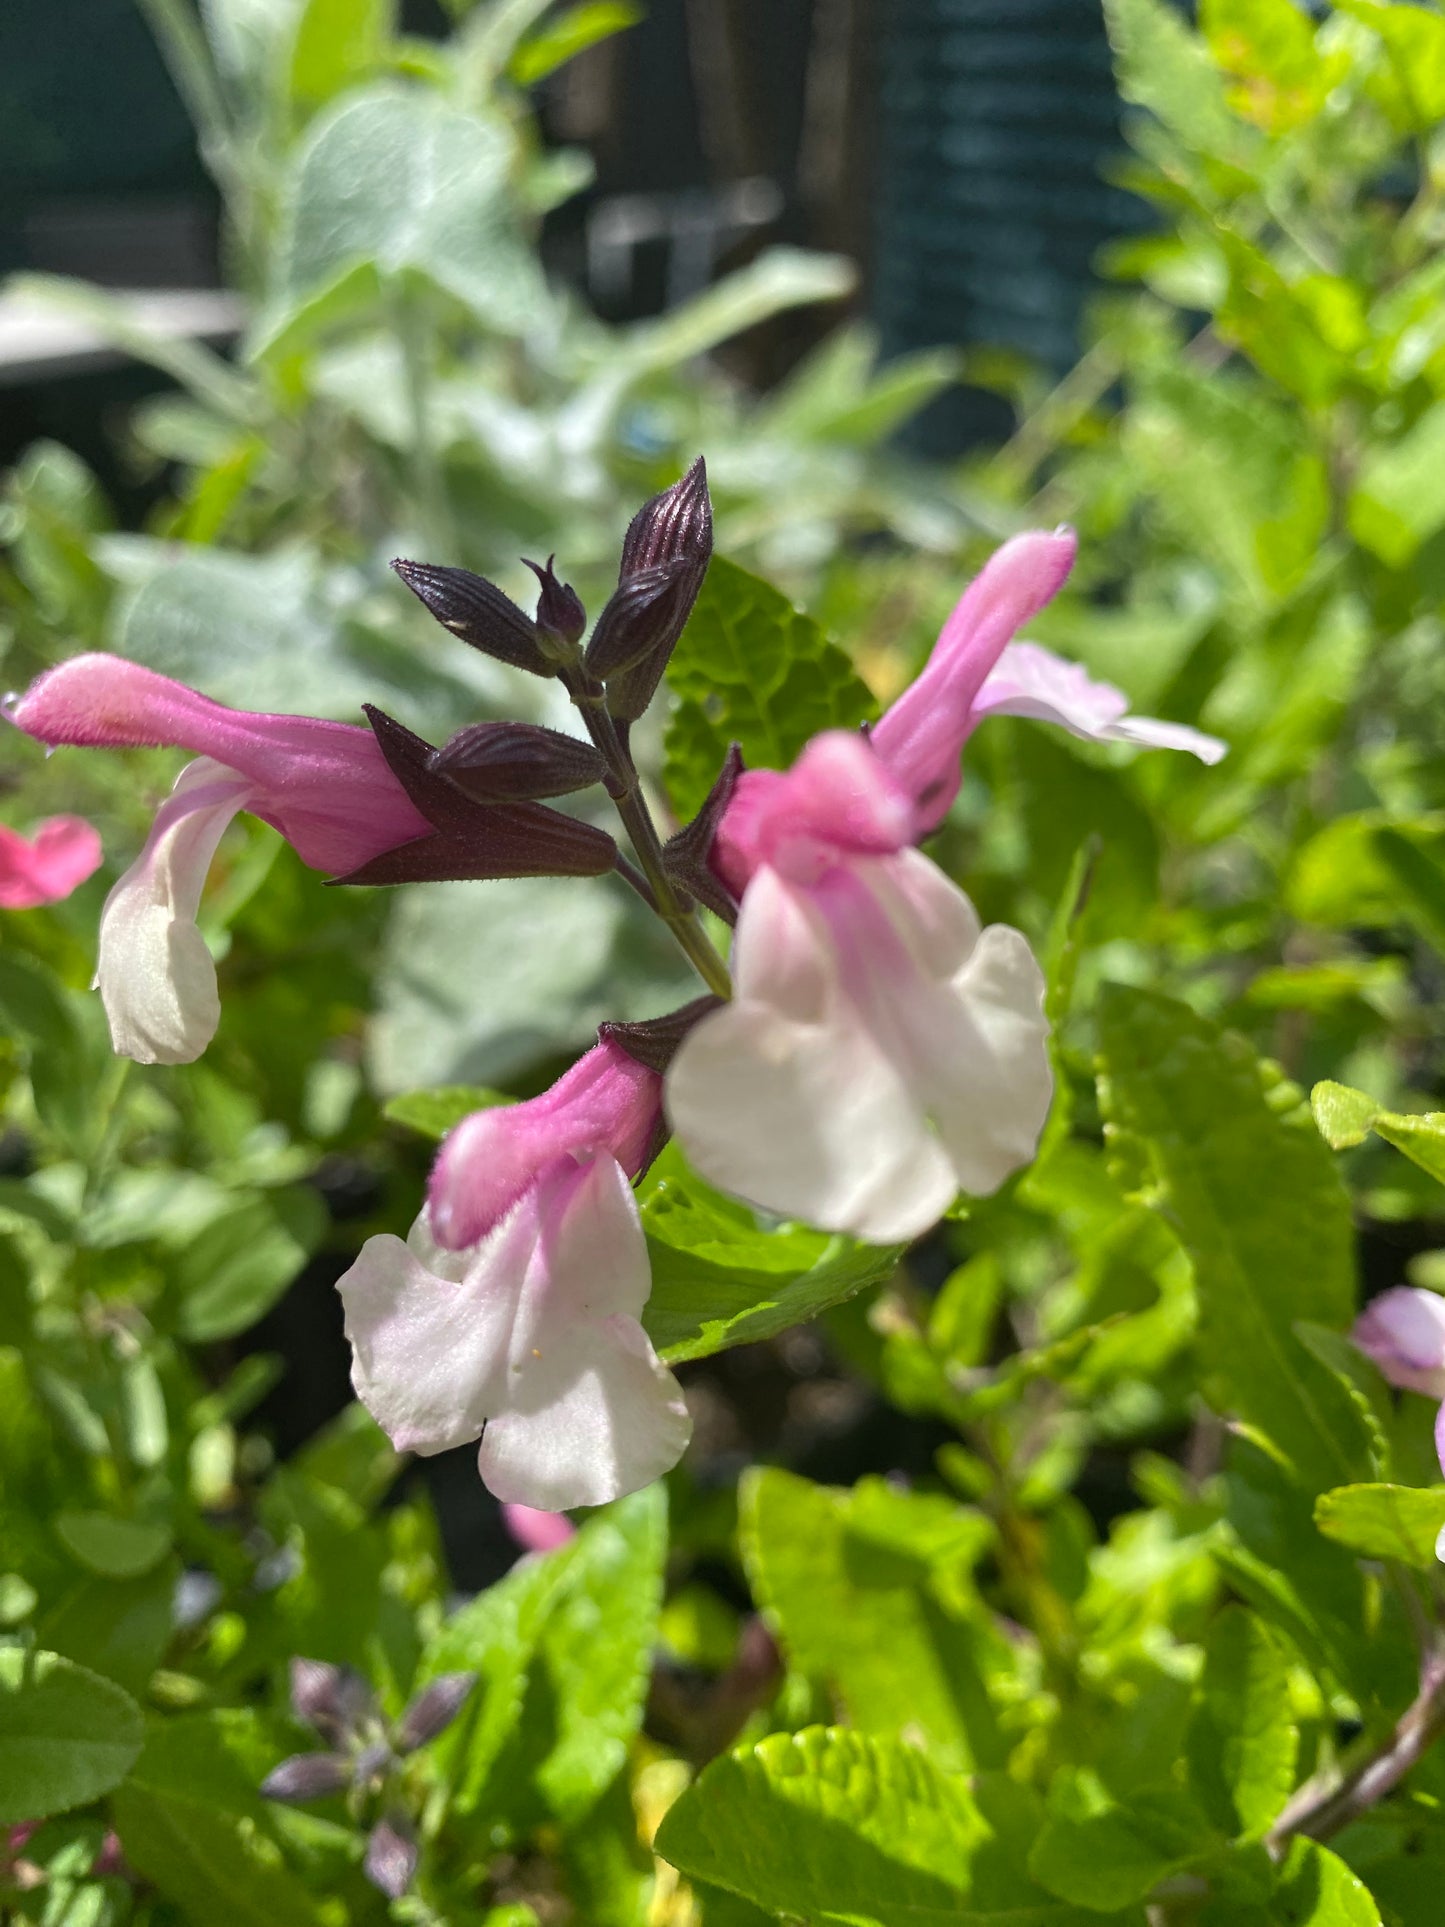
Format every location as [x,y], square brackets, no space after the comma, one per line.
[751,669]
[1385,1521]
[434,1112]
[1243,1741]
[66,1735]
[1165,67]
[1345,1117]
[1260,1211]
[850,1582]
[830,1823]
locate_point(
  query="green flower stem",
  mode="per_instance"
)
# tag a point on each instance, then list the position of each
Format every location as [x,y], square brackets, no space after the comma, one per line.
[625,788]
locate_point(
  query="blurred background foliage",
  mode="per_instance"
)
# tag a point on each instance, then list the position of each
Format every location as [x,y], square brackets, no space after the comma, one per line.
[1040,1558]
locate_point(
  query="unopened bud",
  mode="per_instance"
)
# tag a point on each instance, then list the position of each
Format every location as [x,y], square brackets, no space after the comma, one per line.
[332,1699]
[307,1776]
[391,1857]
[646,612]
[433,1710]
[477,611]
[560,615]
[673,531]
[517,762]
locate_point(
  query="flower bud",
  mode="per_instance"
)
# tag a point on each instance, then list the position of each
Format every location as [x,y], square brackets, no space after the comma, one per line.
[646,612]
[674,528]
[433,1710]
[560,615]
[307,1776]
[1403,1331]
[516,762]
[477,611]
[332,1699]
[391,1857]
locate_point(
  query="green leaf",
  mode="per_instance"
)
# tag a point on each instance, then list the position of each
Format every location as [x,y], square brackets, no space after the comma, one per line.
[856,1585]
[1104,1856]
[118,1548]
[66,1735]
[1243,1741]
[1345,1117]
[829,1822]
[720,1279]
[1419,882]
[781,278]
[1414,38]
[751,669]
[190,1820]
[338,42]
[588,1673]
[68,1065]
[434,1112]
[239,1265]
[1269,45]
[1259,1209]
[1165,67]
[573,33]
[1317,1889]
[1398,499]
[1385,1521]
[393,182]
[119,1627]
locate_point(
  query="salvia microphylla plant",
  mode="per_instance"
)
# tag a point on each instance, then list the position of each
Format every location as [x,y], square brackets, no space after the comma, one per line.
[865,1051]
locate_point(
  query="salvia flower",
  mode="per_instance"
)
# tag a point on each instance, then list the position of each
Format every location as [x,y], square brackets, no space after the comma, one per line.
[1403,1331]
[882,1052]
[325,786]
[64,851]
[529,1339]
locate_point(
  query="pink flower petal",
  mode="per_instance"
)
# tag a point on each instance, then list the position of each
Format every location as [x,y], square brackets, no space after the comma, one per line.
[536,1531]
[838,798]
[607,1102]
[64,852]
[1032,681]
[325,786]
[1403,1331]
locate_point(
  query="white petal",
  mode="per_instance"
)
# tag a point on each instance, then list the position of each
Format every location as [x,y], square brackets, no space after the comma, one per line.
[1150,733]
[429,1355]
[154,972]
[591,1412]
[784,1097]
[982,1061]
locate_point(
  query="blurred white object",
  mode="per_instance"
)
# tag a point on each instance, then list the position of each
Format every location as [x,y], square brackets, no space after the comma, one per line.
[37,340]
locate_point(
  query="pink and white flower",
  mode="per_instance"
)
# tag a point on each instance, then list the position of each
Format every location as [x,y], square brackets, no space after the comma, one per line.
[607,1103]
[536,1531]
[1028,680]
[324,785]
[64,851]
[530,1339]
[1403,1331]
[882,1051]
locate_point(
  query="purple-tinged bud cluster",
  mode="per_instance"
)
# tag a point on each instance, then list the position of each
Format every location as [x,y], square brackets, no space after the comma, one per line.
[365,1750]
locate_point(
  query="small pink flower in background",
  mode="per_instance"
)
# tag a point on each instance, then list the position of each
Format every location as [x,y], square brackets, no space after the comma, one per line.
[881,1051]
[325,786]
[607,1102]
[536,1531]
[1403,1331]
[530,1338]
[64,851]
